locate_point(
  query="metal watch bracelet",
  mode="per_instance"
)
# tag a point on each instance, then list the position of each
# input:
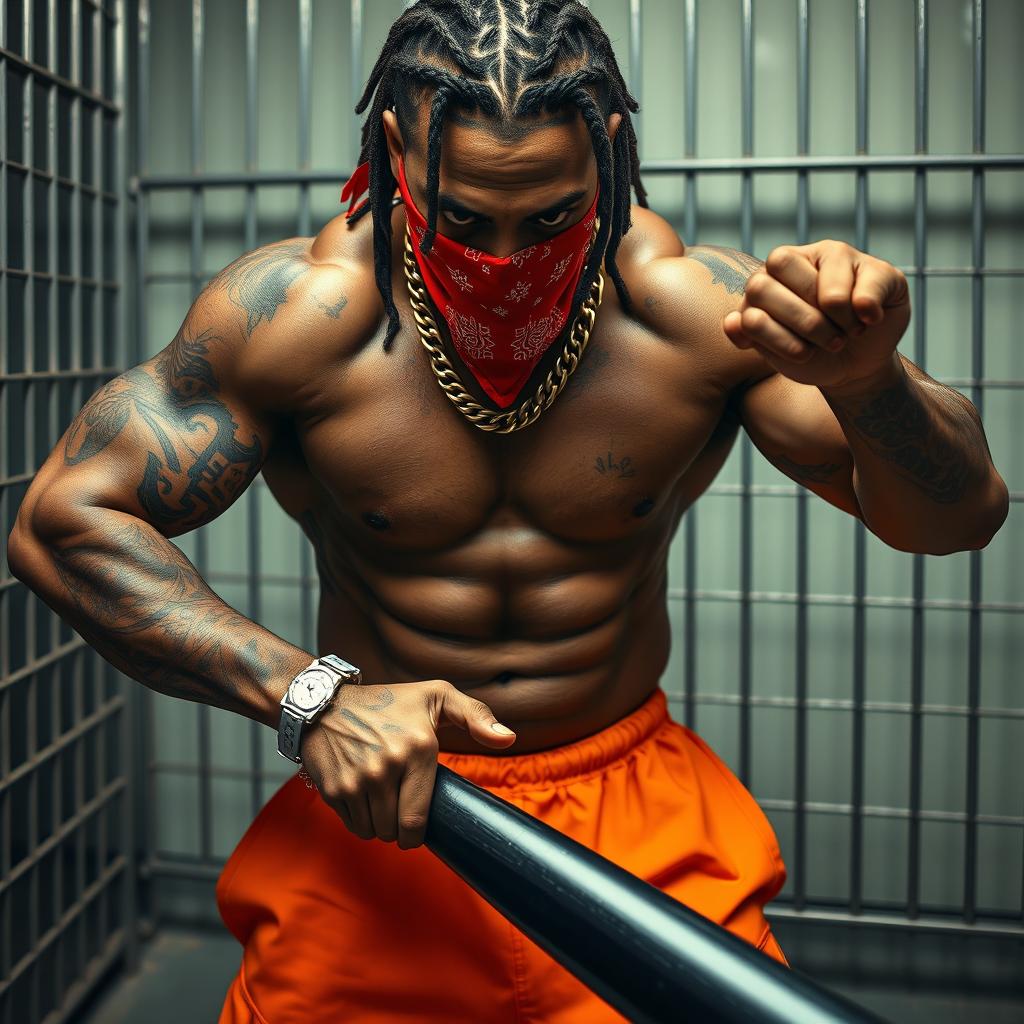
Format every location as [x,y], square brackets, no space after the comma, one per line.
[294,717]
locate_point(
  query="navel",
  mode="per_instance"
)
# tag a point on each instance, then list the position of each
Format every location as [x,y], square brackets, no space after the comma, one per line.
[643,507]
[376,520]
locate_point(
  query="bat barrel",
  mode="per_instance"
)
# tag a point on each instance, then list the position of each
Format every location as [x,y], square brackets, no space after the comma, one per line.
[646,954]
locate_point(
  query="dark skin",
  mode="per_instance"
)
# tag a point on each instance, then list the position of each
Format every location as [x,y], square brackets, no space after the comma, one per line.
[476,577]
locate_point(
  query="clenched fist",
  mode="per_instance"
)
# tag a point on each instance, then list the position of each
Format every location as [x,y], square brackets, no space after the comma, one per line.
[373,753]
[823,314]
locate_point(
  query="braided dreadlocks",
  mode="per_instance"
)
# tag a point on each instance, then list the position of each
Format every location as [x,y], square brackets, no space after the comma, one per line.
[507,59]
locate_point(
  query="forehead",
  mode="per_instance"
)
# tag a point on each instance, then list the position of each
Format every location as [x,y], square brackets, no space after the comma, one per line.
[484,153]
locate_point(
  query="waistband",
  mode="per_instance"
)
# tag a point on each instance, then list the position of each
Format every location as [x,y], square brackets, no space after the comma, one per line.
[561,764]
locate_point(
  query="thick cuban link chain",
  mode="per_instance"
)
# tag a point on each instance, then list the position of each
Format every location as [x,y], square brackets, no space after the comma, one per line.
[547,391]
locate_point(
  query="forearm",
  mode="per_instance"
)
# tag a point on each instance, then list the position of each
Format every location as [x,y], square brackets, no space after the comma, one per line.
[923,473]
[141,603]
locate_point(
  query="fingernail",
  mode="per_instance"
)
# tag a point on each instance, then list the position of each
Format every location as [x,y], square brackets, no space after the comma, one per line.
[499,728]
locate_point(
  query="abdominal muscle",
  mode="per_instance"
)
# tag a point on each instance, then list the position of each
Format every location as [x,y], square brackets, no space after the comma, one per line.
[589,648]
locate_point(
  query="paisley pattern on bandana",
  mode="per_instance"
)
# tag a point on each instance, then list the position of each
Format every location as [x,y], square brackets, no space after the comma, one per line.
[533,339]
[503,313]
[472,338]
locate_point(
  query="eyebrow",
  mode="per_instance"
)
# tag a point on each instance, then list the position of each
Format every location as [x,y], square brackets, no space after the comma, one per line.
[446,201]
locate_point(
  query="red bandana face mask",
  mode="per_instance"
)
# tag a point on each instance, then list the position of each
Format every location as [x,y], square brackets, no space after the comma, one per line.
[503,313]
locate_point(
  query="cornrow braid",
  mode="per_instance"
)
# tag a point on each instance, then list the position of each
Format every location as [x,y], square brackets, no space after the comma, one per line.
[503,59]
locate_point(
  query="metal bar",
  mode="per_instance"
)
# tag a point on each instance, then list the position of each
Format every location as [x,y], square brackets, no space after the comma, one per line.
[690,119]
[844,600]
[746,460]
[845,704]
[920,357]
[253,582]
[977,397]
[61,743]
[689,166]
[31,446]
[636,76]
[917,925]
[803,130]
[690,621]
[860,531]
[44,74]
[6,731]
[130,763]
[866,162]
[305,229]
[355,77]
[75,915]
[305,108]
[690,234]
[195,265]
[146,804]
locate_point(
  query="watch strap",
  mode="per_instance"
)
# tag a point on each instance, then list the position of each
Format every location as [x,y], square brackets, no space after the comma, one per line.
[289,735]
[289,729]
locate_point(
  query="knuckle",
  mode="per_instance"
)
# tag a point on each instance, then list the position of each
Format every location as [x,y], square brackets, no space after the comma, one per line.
[834,298]
[753,318]
[779,258]
[757,284]
[423,741]
[376,773]
[413,821]
[332,790]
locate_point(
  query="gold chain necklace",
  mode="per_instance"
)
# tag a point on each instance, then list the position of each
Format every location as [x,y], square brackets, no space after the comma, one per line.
[547,391]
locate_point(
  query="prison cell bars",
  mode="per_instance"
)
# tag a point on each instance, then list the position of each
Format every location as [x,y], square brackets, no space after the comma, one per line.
[861,164]
[41,383]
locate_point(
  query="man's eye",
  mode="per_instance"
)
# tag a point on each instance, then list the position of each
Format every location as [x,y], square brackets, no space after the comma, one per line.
[553,222]
[454,218]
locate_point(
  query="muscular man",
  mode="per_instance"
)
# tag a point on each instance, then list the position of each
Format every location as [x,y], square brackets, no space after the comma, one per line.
[491,550]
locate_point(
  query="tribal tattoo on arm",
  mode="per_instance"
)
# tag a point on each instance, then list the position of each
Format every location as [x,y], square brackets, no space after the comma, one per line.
[143,605]
[729,267]
[198,458]
[916,436]
[258,282]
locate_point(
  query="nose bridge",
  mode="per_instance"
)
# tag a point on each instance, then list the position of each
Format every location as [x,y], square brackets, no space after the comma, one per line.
[506,234]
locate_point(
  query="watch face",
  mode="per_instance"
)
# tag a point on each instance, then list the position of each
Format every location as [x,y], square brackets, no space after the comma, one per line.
[311,689]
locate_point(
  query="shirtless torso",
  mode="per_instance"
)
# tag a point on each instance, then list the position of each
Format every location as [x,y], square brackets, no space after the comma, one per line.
[530,568]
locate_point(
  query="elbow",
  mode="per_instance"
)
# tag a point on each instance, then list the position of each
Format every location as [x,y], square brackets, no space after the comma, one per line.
[40,520]
[986,520]
[19,552]
[998,508]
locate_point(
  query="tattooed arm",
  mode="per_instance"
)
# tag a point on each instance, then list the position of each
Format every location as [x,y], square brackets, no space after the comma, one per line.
[160,450]
[906,454]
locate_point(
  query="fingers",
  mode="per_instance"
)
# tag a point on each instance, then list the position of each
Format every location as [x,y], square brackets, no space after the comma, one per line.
[878,286]
[414,797]
[472,715]
[346,796]
[768,297]
[822,275]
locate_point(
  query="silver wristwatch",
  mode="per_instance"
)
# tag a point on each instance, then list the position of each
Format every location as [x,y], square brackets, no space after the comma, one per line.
[307,695]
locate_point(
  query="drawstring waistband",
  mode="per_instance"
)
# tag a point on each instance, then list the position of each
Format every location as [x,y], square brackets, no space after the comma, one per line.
[559,765]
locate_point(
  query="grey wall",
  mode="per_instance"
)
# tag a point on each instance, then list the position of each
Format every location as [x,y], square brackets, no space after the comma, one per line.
[856,672]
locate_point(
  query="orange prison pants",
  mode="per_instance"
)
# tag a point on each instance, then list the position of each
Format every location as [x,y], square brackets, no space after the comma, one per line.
[341,929]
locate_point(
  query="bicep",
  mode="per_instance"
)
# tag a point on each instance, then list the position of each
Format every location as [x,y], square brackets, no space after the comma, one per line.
[169,441]
[794,428]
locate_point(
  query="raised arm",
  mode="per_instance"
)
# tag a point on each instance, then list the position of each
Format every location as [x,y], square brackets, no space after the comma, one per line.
[827,319]
[158,451]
